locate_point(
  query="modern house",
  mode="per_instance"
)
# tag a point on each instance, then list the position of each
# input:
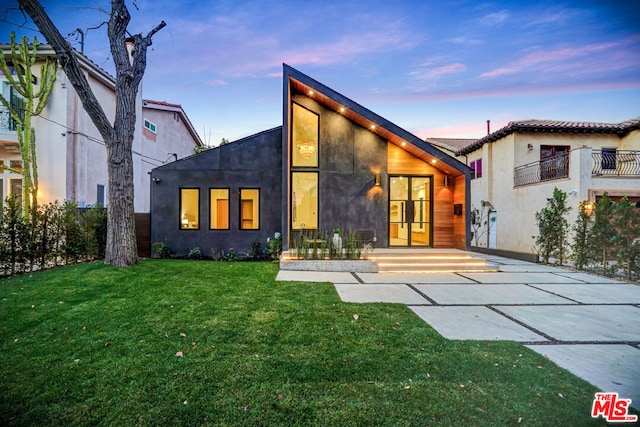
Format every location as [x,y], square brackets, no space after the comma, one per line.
[332,163]
[516,168]
[70,153]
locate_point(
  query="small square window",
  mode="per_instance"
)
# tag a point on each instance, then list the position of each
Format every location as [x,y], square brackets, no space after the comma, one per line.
[16,165]
[150,126]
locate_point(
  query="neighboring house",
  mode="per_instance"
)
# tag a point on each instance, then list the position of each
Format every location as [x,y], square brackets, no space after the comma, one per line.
[332,163]
[71,156]
[515,169]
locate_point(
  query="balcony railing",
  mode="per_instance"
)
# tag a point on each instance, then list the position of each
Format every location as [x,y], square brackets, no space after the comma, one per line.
[555,167]
[611,162]
[7,123]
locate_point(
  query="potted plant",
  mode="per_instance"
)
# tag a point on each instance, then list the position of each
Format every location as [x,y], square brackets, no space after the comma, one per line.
[337,241]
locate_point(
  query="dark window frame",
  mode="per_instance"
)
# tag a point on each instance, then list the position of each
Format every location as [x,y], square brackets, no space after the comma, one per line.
[180,225]
[291,221]
[228,209]
[240,226]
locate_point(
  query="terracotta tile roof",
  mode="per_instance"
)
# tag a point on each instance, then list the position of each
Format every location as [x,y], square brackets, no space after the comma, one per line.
[553,126]
[450,144]
[163,103]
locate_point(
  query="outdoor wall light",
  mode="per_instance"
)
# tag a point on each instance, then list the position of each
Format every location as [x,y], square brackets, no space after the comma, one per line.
[446,180]
[156,180]
[377,179]
[530,147]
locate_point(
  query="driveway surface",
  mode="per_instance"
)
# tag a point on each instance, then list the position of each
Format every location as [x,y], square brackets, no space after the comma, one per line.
[587,324]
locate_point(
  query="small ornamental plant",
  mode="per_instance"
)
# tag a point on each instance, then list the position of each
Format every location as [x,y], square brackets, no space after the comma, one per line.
[161,249]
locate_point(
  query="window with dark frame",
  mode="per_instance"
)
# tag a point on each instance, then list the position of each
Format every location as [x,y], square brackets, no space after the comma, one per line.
[249,208]
[189,208]
[100,195]
[609,159]
[219,208]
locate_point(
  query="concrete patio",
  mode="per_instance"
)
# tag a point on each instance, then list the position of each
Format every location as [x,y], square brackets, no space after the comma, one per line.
[587,324]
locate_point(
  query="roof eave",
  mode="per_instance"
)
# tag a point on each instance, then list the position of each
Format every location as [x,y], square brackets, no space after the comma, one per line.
[367,118]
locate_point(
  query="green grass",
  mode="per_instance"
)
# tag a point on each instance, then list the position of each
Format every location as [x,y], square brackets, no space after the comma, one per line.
[96,345]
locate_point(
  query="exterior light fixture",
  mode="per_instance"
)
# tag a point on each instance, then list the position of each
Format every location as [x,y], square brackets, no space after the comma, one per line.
[587,206]
[310,93]
[377,179]
[530,147]
[306,149]
[446,180]
[342,109]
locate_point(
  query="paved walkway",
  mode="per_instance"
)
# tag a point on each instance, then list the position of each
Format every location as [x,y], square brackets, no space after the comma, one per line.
[587,324]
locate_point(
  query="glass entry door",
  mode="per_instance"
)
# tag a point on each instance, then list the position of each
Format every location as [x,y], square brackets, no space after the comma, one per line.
[410,210]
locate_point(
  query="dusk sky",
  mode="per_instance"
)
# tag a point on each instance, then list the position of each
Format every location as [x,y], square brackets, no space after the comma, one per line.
[434,68]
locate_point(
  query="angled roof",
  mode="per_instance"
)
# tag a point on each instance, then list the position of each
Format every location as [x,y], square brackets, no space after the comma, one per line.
[370,120]
[451,144]
[554,126]
[176,108]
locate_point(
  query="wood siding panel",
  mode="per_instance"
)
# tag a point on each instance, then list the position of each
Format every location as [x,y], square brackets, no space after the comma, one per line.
[459,221]
[401,162]
[143,234]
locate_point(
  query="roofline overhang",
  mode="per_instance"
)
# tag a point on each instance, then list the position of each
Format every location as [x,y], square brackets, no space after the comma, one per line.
[148,103]
[375,123]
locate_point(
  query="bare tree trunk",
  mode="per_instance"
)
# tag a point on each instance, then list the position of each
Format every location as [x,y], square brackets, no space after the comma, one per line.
[121,249]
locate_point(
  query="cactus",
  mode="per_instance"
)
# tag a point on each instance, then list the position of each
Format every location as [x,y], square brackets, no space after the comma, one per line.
[23,56]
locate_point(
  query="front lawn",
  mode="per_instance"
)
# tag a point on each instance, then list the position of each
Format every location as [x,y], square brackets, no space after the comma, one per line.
[193,343]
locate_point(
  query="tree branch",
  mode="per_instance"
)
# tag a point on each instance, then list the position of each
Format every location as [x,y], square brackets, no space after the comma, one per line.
[68,61]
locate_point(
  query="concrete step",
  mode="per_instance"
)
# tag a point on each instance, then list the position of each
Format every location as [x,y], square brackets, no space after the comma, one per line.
[429,263]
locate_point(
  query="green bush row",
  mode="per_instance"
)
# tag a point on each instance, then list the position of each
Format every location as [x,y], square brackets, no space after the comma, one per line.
[55,234]
[605,237]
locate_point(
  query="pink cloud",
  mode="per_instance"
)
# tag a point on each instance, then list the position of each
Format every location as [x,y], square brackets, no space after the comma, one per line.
[579,60]
[217,83]
[435,72]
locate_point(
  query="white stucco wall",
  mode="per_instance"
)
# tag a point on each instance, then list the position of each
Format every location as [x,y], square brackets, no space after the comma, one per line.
[516,206]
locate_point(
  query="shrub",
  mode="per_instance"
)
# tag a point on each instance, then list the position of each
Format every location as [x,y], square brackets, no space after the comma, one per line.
[195,253]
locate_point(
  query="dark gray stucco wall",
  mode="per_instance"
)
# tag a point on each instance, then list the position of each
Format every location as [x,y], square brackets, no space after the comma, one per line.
[253,162]
[349,158]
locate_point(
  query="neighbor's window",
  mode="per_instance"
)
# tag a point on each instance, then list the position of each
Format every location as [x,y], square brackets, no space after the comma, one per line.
[100,195]
[249,208]
[219,208]
[15,185]
[16,165]
[149,125]
[476,169]
[189,212]
[304,137]
[609,158]
[304,200]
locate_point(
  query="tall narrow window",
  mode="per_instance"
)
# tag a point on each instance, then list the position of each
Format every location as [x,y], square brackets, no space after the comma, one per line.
[304,136]
[219,208]
[249,208]
[100,195]
[304,200]
[189,208]
[472,166]
[479,168]
[16,189]
[609,159]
